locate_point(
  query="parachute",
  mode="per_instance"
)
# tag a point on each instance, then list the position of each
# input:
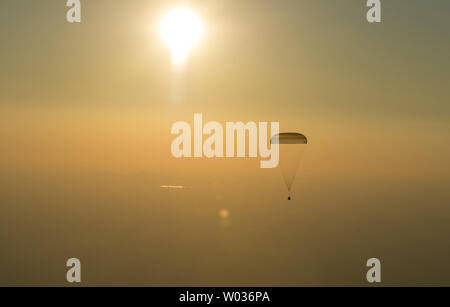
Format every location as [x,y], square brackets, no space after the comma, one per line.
[292,147]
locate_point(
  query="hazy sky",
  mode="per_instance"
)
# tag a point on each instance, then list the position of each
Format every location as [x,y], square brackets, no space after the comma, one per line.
[85,117]
[315,66]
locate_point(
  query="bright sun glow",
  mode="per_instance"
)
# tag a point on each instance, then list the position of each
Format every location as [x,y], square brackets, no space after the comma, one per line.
[181,30]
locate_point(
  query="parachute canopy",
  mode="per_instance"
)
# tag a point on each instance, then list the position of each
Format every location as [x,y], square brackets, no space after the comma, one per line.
[289,138]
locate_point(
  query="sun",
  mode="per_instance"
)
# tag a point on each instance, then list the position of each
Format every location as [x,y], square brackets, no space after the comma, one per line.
[182,30]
